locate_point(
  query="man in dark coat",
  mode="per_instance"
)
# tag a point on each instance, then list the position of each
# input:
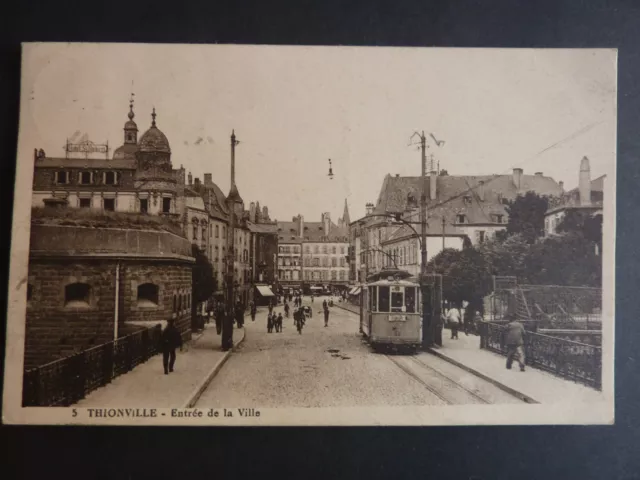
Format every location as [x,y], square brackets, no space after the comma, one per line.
[326,316]
[219,315]
[171,339]
[239,314]
[515,343]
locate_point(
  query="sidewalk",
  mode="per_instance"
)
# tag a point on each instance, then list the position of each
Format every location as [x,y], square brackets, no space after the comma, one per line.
[148,386]
[533,385]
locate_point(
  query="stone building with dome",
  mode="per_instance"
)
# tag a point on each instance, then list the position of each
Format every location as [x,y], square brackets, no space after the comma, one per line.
[140,178]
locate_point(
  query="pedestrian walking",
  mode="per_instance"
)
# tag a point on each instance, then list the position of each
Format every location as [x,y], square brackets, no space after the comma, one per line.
[239,314]
[515,343]
[254,310]
[219,316]
[440,320]
[326,317]
[453,318]
[298,319]
[171,339]
[271,306]
[278,323]
[286,310]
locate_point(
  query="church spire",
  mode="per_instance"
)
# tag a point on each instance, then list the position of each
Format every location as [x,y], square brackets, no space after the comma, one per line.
[346,220]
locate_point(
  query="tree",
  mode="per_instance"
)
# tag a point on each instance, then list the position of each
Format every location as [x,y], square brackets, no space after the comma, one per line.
[583,223]
[526,216]
[204,282]
[465,275]
[443,173]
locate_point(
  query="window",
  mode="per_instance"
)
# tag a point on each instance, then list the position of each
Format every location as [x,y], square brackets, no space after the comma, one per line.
[342,275]
[307,249]
[467,199]
[76,295]
[343,261]
[62,177]
[217,232]
[316,249]
[316,262]
[325,249]
[383,300]
[204,234]
[195,232]
[373,295]
[147,295]
[85,203]
[397,299]
[144,205]
[110,178]
[333,250]
[461,218]
[499,218]
[342,250]
[480,236]
[224,231]
[109,204]
[410,299]
[334,262]
[85,178]
[166,205]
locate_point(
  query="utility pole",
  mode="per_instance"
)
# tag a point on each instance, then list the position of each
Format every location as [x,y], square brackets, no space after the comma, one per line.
[443,223]
[232,199]
[427,327]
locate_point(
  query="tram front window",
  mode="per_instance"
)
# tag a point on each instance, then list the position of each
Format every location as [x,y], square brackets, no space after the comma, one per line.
[383,299]
[397,300]
[410,299]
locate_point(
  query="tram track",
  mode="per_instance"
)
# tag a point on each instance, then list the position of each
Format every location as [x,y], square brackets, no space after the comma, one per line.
[444,387]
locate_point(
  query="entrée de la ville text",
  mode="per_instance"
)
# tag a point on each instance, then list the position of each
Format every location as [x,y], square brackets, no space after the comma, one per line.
[175,413]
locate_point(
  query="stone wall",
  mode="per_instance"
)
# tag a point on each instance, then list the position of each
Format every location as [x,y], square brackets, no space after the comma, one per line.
[55,330]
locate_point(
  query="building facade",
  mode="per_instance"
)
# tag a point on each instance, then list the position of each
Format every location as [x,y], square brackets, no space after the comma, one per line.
[313,253]
[460,209]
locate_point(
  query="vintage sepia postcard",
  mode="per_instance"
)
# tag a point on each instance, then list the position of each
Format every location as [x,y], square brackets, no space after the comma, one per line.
[268,235]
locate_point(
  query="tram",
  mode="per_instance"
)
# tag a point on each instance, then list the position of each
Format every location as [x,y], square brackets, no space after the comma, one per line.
[390,309]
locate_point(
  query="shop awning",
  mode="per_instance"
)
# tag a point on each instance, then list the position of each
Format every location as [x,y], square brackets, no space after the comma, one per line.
[356,291]
[353,289]
[265,291]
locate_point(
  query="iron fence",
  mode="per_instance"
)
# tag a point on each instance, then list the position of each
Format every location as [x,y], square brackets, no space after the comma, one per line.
[68,380]
[575,361]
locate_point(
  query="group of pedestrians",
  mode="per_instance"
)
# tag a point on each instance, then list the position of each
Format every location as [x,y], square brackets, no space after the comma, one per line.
[274,322]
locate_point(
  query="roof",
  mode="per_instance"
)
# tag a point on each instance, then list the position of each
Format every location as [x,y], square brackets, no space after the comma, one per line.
[128,150]
[61,162]
[478,197]
[571,199]
[312,231]
[215,201]
[269,228]
[153,140]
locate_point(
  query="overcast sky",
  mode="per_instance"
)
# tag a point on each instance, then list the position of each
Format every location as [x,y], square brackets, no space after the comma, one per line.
[293,108]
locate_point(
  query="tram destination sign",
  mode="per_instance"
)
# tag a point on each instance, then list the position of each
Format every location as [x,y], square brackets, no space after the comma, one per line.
[86,147]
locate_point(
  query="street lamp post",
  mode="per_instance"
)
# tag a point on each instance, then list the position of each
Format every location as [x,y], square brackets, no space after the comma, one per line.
[232,199]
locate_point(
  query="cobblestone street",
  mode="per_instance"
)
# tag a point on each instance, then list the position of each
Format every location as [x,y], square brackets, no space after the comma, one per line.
[329,367]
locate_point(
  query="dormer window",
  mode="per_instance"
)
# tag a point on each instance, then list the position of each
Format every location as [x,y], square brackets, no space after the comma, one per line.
[86,178]
[467,199]
[461,218]
[110,178]
[62,177]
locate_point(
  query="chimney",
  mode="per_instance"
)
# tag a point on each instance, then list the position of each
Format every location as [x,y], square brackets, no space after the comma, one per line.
[561,183]
[433,182]
[584,183]
[301,226]
[190,177]
[207,180]
[481,190]
[252,205]
[369,208]
[35,154]
[265,213]
[196,184]
[326,220]
[517,178]
[538,174]
[397,175]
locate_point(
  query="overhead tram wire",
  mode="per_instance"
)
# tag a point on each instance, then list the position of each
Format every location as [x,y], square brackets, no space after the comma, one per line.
[496,176]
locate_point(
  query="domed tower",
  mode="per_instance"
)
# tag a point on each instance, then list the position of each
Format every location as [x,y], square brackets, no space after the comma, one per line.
[130,145]
[155,179]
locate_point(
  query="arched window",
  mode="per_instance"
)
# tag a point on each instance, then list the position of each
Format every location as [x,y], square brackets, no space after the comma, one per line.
[76,295]
[147,295]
